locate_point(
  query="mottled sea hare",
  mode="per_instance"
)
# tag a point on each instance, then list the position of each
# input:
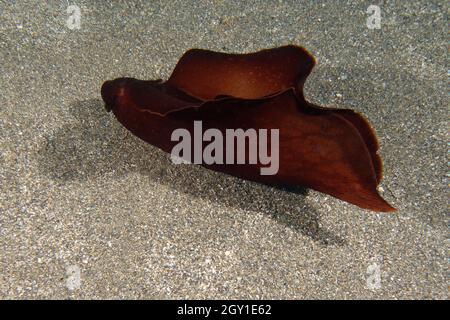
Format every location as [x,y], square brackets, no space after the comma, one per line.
[333,151]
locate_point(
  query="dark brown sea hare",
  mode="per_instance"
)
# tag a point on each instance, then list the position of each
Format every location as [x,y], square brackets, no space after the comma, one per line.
[333,151]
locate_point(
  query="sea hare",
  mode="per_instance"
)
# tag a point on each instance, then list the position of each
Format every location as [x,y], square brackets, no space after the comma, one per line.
[333,151]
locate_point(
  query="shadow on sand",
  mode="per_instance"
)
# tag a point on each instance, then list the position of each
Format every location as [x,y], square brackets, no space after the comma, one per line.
[96,143]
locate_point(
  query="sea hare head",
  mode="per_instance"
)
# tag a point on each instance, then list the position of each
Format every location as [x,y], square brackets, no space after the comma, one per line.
[113,90]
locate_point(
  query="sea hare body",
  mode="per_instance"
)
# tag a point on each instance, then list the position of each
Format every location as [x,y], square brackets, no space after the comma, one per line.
[333,151]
